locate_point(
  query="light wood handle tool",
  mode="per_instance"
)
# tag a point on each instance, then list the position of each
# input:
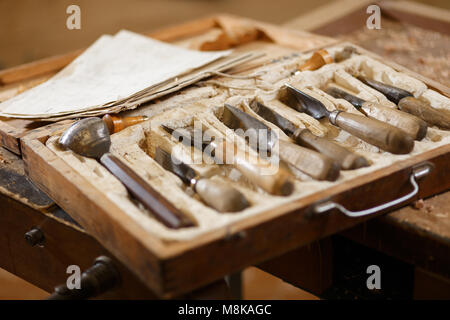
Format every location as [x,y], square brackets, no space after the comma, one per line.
[435,117]
[316,165]
[408,103]
[260,172]
[412,125]
[375,132]
[303,137]
[347,159]
[220,196]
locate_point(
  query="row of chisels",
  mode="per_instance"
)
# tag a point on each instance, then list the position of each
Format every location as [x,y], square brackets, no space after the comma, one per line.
[390,129]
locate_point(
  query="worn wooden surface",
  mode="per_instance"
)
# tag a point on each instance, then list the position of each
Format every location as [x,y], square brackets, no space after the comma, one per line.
[416,36]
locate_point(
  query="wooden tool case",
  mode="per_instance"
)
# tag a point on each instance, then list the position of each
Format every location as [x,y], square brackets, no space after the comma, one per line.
[171,267]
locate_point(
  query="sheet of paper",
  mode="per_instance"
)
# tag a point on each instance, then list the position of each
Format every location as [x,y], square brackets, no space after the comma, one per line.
[112,69]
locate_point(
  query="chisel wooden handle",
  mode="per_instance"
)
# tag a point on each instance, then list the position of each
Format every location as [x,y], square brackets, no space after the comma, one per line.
[260,172]
[412,125]
[312,163]
[317,60]
[151,199]
[346,158]
[375,132]
[424,111]
[220,196]
[117,123]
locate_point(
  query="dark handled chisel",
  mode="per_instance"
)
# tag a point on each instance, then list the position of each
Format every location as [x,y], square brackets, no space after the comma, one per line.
[412,125]
[217,195]
[278,183]
[306,160]
[408,103]
[375,132]
[304,137]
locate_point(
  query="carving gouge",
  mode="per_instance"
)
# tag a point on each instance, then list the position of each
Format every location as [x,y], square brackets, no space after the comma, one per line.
[375,132]
[279,183]
[412,125]
[117,123]
[308,161]
[217,195]
[305,138]
[408,103]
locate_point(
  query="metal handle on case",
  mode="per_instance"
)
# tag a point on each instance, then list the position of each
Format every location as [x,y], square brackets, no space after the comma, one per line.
[418,172]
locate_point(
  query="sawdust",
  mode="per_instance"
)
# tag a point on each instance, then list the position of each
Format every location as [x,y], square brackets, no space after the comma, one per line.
[424,51]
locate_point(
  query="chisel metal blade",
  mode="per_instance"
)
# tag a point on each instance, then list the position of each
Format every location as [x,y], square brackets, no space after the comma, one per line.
[284,124]
[189,136]
[255,130]
[392,93]
[174,165]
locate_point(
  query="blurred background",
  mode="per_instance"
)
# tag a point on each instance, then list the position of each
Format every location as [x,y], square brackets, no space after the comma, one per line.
[34,29]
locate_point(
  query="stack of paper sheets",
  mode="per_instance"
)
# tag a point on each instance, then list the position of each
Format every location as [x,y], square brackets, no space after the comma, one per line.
[117,73]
